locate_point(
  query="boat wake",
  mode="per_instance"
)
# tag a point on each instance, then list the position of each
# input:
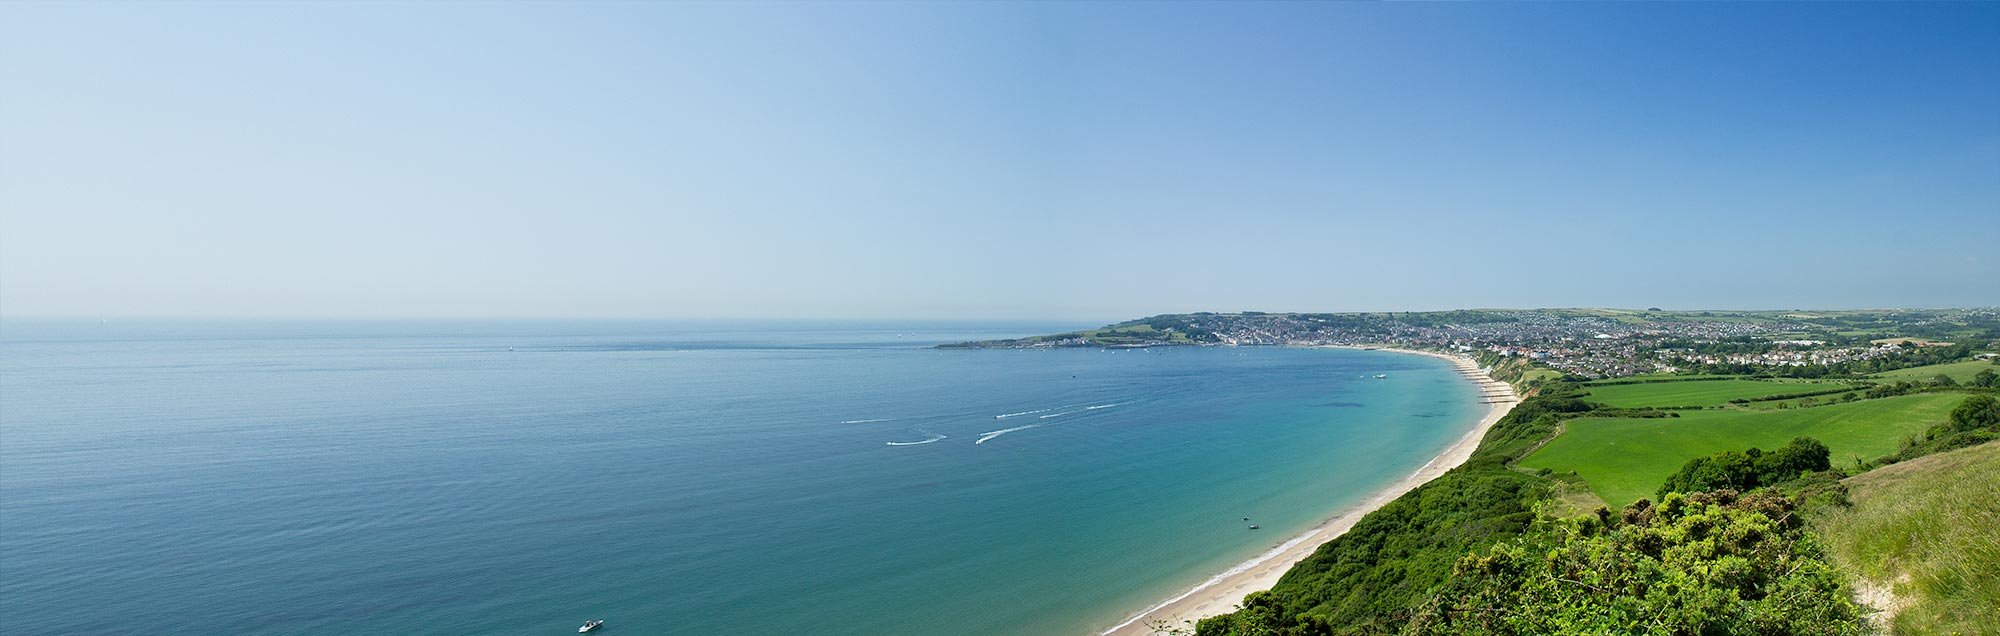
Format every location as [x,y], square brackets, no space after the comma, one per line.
[1102,406]
[934,437]
[1002,417]
[983,437]
[1057,414]
[885,419]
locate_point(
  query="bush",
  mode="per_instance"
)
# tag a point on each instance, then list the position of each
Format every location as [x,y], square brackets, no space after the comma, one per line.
[1708,563]
[1750,469]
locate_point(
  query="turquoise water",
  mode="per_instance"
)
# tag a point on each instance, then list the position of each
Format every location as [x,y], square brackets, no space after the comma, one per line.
[690,478]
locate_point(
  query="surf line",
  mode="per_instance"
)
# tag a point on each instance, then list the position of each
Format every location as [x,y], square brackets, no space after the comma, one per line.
[885,419]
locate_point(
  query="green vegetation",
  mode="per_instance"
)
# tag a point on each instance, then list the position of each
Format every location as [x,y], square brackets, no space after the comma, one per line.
[1709,563]
[1699,392]
[1522,373]
[1367,580]
[1974,421]
[1626,458]
[1523,538]
[1929,531]
[1491,548]
[1960,372]
[1731,470]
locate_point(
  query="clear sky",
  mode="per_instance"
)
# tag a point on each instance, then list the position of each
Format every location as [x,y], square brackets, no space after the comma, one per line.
[1097,161]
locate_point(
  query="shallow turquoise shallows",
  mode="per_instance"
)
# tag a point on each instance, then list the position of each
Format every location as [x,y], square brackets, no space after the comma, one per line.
[671,478]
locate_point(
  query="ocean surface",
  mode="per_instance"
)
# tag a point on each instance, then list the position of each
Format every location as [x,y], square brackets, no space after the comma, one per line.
[686,478]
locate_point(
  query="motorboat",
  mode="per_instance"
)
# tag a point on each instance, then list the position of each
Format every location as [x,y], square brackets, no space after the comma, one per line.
[589,625]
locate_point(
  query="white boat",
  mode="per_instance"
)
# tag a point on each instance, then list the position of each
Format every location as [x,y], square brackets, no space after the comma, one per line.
[1379,376]
[589,625]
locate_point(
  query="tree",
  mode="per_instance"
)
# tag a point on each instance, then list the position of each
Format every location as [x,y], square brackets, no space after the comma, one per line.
[1986,378]
[1976,412]
[1725,470]
[1943,380]
[1751,469]
[1801,455]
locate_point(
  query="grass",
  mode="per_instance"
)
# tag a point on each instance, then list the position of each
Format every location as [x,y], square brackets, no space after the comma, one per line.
[1929,529]
[1626,459]
[1959,371]
[1697,393]
[1541,374]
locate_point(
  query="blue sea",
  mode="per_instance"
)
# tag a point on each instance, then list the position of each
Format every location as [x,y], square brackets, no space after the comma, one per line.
[669,477]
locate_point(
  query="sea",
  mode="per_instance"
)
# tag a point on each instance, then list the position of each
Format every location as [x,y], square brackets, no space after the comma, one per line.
[521,477]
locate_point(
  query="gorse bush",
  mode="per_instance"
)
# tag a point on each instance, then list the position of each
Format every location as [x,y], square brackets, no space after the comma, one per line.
[1707,563]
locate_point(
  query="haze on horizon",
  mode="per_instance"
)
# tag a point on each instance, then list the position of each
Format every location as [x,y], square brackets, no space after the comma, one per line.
[1097,161]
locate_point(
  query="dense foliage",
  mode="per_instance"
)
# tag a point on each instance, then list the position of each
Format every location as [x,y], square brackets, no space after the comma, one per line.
[1708,563]
[1369,579]
[1750,469]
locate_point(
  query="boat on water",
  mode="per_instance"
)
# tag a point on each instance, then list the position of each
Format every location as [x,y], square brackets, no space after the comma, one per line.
[1379,376]
[589,625]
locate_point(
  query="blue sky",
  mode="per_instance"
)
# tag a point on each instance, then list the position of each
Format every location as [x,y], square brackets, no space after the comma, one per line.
[987,160]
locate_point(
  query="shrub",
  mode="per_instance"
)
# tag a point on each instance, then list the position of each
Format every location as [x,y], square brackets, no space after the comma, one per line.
[1708,563]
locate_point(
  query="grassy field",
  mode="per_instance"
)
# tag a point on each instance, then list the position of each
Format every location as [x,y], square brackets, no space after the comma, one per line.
[1625,459]
[1928,529]
[1960,371]
[1697,393]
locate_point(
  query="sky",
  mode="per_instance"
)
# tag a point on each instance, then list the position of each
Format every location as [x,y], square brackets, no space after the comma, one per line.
[1093,161]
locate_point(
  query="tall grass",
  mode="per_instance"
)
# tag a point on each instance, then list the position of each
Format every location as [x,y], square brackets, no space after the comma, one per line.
[1930,529]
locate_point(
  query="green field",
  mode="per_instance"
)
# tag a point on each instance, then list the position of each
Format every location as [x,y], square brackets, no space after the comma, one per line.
[1930,530]
[1959,371]
[1697,393]
[1626,459]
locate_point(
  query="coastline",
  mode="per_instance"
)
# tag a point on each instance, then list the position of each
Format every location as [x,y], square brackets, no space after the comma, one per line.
[1225,591]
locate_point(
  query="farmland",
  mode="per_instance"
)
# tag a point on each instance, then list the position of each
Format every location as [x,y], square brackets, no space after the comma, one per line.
[1960,372]
[1697,393]
[1625,459]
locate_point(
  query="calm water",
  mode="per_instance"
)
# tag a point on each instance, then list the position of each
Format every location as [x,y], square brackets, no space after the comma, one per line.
[688,478]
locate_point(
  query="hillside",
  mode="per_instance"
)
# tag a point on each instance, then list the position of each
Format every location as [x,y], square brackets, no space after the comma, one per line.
[1923,540]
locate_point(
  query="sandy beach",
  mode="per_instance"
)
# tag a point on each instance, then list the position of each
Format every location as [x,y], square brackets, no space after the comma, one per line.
[1224,591]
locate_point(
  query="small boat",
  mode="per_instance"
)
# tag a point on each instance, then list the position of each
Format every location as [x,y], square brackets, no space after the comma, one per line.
[1253,527]
[1379,376]
[589,625]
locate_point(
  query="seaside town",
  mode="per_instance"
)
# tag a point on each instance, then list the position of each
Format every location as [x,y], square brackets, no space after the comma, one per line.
[1587,343]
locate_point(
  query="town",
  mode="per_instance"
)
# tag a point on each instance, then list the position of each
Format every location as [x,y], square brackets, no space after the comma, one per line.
[1588,343]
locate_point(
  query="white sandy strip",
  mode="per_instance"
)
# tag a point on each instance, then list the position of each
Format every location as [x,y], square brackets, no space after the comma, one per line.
[1224,592]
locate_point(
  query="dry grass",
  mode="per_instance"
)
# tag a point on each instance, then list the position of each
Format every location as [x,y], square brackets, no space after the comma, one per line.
[1929,531]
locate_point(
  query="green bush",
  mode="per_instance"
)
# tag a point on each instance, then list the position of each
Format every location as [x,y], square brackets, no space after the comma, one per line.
[1708,563]
[1751,469]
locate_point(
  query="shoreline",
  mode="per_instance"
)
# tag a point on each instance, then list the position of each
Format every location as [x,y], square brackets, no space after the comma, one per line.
[1223,592]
